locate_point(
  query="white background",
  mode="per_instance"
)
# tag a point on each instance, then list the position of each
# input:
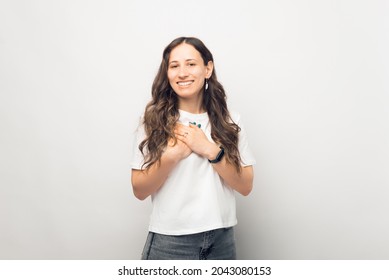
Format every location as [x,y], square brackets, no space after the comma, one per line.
[310,79]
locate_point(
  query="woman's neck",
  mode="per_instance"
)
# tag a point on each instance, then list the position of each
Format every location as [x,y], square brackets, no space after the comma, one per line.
[191,107]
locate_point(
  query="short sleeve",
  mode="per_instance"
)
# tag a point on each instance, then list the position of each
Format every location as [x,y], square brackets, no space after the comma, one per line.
[139,135]
[246,154]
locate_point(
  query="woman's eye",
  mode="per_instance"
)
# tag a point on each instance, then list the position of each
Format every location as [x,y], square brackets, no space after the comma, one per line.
[173,66]
[192,64]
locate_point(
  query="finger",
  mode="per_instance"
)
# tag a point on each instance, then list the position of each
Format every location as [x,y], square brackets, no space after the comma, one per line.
[180,134]
[172,142]
[182,142]
[195,126]
[180,126]
[181,137]
[184,137]
[182,130]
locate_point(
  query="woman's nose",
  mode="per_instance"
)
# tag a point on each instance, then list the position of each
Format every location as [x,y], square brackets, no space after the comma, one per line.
[183,72]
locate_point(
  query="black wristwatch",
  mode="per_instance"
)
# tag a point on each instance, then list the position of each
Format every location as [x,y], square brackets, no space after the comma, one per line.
[218,157]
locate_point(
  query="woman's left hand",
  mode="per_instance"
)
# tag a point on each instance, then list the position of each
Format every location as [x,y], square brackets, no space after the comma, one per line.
[196,140]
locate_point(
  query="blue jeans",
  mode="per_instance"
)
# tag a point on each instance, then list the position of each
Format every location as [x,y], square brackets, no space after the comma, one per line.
[218,244]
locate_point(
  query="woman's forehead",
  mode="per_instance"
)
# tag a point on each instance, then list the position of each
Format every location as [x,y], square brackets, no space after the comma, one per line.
[184,52]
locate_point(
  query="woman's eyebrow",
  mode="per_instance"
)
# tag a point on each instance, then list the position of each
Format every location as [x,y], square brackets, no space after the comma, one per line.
[189,59]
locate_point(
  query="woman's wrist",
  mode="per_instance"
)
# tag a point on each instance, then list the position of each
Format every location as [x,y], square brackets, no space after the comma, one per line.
[211,151]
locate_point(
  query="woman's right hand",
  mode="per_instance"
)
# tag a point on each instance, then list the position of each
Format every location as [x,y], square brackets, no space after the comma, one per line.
[178,150]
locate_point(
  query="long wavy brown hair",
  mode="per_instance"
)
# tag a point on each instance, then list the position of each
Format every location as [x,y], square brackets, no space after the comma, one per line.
[161,113]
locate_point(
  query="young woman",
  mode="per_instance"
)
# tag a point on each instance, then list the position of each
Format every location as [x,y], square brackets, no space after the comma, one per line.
[190,154]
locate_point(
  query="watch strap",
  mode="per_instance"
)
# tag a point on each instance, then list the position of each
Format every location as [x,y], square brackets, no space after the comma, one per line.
[218,157]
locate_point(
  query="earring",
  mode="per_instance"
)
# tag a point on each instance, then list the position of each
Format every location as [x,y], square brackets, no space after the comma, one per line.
[206,84]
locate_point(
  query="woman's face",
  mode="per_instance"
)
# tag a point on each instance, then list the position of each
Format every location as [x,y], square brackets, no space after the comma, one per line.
[187,72]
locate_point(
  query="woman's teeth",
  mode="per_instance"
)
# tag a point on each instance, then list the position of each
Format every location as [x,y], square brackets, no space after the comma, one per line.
[185,83]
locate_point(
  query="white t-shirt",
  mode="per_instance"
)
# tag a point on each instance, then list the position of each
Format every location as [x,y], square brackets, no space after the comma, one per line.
[194,198]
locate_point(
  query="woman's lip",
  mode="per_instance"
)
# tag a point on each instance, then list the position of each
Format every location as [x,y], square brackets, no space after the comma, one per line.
[185,83]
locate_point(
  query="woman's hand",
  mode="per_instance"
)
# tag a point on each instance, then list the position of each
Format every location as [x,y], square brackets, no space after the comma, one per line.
[178,150]
[196,140]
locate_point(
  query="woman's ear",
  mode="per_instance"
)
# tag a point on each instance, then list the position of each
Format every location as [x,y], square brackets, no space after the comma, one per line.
[209,69]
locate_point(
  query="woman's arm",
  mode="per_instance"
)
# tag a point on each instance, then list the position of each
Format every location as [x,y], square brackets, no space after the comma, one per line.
[148,181]
[241,182]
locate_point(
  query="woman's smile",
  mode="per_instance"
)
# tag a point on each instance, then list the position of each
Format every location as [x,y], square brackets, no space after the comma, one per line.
[185,83]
